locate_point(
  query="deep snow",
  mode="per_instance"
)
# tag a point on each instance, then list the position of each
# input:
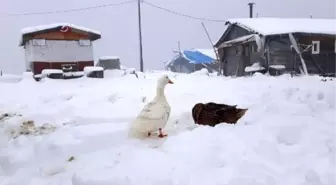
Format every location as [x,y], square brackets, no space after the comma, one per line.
[287,137]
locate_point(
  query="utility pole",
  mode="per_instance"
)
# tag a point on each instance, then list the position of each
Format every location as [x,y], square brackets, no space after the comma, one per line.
[140,37]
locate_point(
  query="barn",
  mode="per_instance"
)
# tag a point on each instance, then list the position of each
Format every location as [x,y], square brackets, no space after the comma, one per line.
[270,44]
[192,60]
[61,46]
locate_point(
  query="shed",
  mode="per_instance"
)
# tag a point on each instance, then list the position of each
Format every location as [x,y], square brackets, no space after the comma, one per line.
[288,42]
[192,60]
[61,46]
[109,62]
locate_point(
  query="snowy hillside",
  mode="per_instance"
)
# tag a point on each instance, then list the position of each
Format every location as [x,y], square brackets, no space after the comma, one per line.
[287,137]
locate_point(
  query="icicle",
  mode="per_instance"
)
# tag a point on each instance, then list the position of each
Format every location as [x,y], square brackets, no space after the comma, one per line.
[260,41]
[295,45]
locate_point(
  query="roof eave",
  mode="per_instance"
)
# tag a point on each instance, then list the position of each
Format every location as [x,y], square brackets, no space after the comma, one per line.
[92,36]
[224,34]
[267,35]
[238,41]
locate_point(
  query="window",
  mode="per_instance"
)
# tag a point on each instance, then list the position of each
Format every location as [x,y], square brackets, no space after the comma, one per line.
[315,47]
[84,42]
[39,42]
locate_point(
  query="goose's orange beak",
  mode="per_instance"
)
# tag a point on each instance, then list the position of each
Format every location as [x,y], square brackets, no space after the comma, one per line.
[170,82]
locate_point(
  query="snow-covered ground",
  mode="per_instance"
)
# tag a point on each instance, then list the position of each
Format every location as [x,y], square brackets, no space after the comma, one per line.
[287,137]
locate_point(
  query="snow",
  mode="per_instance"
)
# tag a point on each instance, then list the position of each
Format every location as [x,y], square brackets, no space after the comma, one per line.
[51,71]
[286,137]
[277,66]
[89,69]
[10,78]
[273,26]
[254,67]
[74,73]
[33,29]
[123,67]
[203,71]
[109,57]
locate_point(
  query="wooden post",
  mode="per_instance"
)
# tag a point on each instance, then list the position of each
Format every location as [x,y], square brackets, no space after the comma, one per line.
[213,46]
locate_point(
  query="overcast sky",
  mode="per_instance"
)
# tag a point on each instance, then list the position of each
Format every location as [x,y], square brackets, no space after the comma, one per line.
[161,30]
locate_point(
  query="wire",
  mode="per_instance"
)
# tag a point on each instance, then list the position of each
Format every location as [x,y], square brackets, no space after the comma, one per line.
[73,10]
[113,4]
[180,14]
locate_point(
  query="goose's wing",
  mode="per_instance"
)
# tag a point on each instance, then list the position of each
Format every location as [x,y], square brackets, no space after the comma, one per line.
[153,111]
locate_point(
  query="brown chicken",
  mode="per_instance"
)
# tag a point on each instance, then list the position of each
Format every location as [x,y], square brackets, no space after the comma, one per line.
[212,113]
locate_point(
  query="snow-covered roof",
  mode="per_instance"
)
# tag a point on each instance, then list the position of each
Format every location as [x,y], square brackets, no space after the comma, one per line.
[195,56]
[199,56]
[33,29]
[108,57]
[242,39]
[25,32]
[208,52]
[89,69]
[274,26]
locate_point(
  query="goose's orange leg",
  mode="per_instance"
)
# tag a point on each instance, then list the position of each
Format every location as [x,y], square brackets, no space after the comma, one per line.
[160,133]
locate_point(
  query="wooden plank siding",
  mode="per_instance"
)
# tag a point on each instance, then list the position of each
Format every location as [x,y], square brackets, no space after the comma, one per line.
[278,52]
[57,35]
[231,56]
[236,58]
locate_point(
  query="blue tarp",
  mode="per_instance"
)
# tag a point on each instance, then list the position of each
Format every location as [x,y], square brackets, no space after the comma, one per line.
[196,57]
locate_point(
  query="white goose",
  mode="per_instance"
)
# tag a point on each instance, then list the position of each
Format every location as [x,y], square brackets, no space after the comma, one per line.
[154,115]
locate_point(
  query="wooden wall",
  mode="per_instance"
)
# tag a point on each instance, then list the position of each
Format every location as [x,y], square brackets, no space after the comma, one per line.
[37,66]
[236,58]
[280,53]
[58,51]
[57,35]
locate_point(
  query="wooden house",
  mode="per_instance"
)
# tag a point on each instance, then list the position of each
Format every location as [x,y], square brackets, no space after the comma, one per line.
[192,60]
[61,46]
[269,44]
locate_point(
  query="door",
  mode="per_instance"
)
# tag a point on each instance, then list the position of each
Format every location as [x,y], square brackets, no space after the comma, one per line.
[245,58]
